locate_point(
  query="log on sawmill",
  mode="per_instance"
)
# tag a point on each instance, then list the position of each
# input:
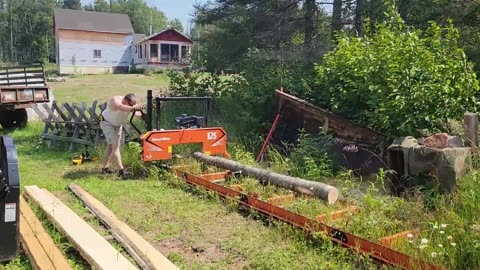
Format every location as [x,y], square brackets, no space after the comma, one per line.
[311,188]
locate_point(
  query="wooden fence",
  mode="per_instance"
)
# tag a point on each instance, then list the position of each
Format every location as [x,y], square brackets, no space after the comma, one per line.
[77,124]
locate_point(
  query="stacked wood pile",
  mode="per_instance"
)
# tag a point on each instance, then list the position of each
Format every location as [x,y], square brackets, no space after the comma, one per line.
[92,246]
[77,124]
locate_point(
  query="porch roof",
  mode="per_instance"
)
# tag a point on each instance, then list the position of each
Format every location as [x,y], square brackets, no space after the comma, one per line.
[169,34]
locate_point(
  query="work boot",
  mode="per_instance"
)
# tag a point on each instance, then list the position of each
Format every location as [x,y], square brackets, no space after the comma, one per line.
[107,171]
[124,173]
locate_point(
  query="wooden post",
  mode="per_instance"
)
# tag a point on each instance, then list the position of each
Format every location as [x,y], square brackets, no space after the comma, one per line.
[471,129]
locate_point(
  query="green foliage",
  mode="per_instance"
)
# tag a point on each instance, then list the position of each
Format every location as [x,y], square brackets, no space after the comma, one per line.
[72,4]
[176,24]
[246,99]
[398,80]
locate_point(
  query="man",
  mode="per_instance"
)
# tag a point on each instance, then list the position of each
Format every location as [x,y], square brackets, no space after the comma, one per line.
[112,120]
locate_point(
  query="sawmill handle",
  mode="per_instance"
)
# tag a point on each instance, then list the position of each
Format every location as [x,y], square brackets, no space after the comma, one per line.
[131,120]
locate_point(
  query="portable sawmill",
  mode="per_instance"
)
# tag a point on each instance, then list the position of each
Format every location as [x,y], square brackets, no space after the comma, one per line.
[157,144]
[9,198]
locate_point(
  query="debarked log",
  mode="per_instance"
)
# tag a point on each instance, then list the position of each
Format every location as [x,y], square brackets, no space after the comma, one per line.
[311,188]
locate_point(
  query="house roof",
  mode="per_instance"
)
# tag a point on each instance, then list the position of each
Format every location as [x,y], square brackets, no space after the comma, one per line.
[138,37]
[186,38]
[92,21]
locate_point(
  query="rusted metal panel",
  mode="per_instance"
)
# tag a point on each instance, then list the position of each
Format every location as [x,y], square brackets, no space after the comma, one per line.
[342,128]
[357,148]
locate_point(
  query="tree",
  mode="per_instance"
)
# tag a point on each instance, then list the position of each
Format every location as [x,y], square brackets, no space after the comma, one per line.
[141,15]
[72,4]
[176,24]
[310,10]
[284,31]
[398,79]
[101,6]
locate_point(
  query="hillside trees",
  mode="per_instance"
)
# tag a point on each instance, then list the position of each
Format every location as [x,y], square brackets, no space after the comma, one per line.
[284,30]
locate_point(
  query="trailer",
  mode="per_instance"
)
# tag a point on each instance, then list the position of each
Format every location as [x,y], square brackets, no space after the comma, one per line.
[20,88]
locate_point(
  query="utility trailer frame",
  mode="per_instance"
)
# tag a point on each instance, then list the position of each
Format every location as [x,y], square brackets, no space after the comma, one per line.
[20,88]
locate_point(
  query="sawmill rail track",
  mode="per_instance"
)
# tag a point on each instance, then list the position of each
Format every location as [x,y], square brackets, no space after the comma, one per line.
[378,252]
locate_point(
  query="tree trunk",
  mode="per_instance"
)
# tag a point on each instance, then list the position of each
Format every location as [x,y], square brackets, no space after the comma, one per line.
[311,188]
[403,8]
[336,18]
[359,18]
[310,8]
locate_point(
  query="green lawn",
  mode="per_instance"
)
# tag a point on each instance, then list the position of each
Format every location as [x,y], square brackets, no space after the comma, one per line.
[102,87]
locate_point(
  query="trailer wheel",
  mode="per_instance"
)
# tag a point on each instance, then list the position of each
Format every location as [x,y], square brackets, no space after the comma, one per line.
[14,119]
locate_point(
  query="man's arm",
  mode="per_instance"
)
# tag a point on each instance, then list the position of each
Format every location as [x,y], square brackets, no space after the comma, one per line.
[117,105]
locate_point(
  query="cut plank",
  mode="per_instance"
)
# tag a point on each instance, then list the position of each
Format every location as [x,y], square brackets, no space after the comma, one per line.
[281,200]
[30,221]
[151,256]
[337,214]
[237,187]
[91,245]
[36,254]
[388,241]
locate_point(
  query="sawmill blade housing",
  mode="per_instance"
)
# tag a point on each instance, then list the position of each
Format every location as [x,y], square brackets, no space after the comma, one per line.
[157,144]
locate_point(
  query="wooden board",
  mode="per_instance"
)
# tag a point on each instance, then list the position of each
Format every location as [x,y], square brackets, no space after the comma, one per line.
[151,256]
[91,245]
[33,234]
[35,252]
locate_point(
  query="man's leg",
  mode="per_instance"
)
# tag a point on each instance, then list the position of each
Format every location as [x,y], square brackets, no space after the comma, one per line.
[109,133]
[108,156]
[116,156]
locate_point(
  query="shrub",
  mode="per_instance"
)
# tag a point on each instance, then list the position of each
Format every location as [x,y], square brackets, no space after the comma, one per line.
[398,80]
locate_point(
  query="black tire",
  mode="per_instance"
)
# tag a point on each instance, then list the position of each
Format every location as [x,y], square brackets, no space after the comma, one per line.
[14,119]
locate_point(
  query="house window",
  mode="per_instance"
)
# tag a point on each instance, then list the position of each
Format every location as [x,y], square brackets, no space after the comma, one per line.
[140,51]
[184,52]
[97,54]
[170,53]
[154,50]
[145,51]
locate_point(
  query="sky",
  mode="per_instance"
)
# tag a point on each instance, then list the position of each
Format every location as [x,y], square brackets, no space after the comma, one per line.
[181,9]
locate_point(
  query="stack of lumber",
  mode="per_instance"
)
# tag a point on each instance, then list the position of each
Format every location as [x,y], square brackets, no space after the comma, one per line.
[39,246]
[94,248]
[142,251]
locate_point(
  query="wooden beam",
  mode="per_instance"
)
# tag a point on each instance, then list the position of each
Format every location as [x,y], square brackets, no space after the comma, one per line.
[213,177]
[35,253]
[237,187]
[281,200]
[337,214]
[91,245]
[387,241]
[31,226]
[123,233]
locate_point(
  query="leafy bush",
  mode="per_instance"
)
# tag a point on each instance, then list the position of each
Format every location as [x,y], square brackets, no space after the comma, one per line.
[398,80]
[245,99]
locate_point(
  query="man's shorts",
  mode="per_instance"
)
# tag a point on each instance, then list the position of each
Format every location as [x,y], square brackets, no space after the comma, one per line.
[113,134]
